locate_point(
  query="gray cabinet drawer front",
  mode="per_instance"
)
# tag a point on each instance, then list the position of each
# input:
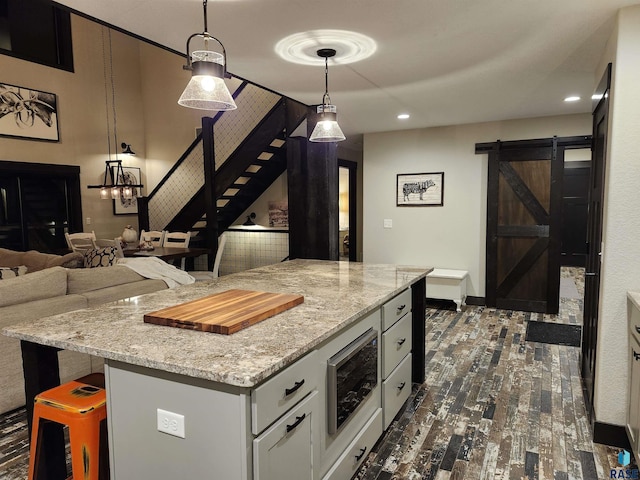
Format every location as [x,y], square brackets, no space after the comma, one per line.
[396,308]
[396,343]
[277,395]
[396,390]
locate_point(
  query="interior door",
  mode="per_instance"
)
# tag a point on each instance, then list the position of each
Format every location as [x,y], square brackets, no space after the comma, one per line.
[594,237]
[524,208]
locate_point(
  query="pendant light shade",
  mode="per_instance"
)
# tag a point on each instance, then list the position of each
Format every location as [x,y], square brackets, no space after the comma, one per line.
[206,90]
[327,128]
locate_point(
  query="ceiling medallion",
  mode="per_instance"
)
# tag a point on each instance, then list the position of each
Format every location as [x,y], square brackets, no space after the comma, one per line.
[302,47]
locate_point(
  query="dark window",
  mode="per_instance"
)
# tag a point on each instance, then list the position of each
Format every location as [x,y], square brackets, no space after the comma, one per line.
[36,31]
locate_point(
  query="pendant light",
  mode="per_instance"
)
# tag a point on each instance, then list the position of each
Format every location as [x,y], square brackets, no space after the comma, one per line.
[115,183]
[327,128]
[206,90]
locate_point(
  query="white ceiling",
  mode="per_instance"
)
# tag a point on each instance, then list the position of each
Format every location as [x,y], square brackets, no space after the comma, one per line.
[443,61]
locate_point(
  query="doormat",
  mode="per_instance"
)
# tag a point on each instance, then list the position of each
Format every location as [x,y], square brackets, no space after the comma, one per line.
[555,333]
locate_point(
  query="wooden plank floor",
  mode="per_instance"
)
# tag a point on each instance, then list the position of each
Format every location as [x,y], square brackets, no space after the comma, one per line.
[494,406]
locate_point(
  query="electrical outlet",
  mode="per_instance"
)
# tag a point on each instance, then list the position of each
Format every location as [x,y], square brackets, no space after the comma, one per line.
[88,220]
[171,423]
[388,223]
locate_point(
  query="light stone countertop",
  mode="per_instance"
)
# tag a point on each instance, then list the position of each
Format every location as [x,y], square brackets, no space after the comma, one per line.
[335,295]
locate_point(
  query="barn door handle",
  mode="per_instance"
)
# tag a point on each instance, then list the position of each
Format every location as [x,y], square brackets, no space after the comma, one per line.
[361,454]
[297,422]
[636,356]
[296,386]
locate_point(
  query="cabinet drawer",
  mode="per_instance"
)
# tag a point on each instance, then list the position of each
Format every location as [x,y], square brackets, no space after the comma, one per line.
[396,343]
[285,450]
[355,454]
[277,395]
[396,390]
[396,308]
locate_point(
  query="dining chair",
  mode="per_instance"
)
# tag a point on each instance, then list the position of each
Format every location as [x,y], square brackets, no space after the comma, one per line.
[177,240]
[107,242]
[201,275]
[81,242]
[156,237]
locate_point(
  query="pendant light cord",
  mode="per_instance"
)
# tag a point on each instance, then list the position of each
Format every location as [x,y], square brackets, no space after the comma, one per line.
[326,100]
[113,99]
[106,93]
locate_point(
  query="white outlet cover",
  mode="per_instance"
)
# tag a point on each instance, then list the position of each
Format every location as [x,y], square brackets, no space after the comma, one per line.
[171,423]
[388,223]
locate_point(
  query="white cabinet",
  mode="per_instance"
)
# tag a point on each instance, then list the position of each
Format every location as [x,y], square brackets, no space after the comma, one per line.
[633,408]
[286,449]
[278,394]
[396,355]
[349,462]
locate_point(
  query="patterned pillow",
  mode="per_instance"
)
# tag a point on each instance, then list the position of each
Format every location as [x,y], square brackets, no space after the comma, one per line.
[100,257]
[12,272]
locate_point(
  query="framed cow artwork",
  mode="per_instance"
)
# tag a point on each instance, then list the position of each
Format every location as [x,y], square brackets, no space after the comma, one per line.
[420,189]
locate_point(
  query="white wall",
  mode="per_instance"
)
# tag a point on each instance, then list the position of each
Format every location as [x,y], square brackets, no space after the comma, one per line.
[451,236]
[621,261]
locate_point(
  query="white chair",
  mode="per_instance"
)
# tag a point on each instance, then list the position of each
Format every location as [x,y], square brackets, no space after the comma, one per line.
[177,240]
[154,236]
[105,242]
[81,242]
[200,275]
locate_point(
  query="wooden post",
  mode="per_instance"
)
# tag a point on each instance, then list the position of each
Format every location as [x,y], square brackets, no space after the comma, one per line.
[211,210]
[312,170]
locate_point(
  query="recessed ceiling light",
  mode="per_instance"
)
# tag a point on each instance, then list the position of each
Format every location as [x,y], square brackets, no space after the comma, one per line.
[572,99]
[301,47]
[403,116]
[596,96]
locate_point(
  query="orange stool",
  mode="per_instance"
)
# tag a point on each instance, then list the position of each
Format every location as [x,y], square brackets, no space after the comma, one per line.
[81,407]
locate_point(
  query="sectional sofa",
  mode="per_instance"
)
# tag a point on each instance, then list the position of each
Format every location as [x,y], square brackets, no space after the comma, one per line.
[50,287]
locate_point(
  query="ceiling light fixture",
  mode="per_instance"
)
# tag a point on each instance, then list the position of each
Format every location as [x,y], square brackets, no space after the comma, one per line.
[327,128]
[403,116]
[573,98]
[115,183]
[206,90]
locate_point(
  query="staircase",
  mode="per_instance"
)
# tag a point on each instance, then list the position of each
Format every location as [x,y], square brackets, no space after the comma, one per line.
[250,154]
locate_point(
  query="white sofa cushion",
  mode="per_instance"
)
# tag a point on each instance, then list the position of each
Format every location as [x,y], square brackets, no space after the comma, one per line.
[48,283]
[82,280]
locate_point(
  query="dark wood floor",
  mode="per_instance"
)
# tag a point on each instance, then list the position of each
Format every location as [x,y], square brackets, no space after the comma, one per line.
[494,406]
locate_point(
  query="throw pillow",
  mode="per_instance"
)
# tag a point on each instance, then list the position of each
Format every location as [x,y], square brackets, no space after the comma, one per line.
[100,257]
[12,272]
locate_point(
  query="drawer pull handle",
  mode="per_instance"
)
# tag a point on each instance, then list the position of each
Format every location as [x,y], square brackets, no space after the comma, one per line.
[401,307]
[362,450]
[401,386]
[401,341]
[296,386]
[636,356]
[637,329]
[297,422]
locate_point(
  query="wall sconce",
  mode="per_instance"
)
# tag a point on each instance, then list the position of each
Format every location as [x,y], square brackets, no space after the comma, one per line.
[126,149]
[249,221]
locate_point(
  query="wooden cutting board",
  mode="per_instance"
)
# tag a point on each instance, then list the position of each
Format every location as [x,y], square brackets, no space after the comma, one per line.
[226,312]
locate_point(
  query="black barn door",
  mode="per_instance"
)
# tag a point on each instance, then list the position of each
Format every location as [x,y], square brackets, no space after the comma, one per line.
[524,207]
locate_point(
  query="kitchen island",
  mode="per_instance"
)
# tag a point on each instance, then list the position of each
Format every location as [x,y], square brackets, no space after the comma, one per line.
[220,385]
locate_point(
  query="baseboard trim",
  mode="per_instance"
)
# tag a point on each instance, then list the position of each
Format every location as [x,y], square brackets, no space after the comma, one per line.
[479,301]
[612,435]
